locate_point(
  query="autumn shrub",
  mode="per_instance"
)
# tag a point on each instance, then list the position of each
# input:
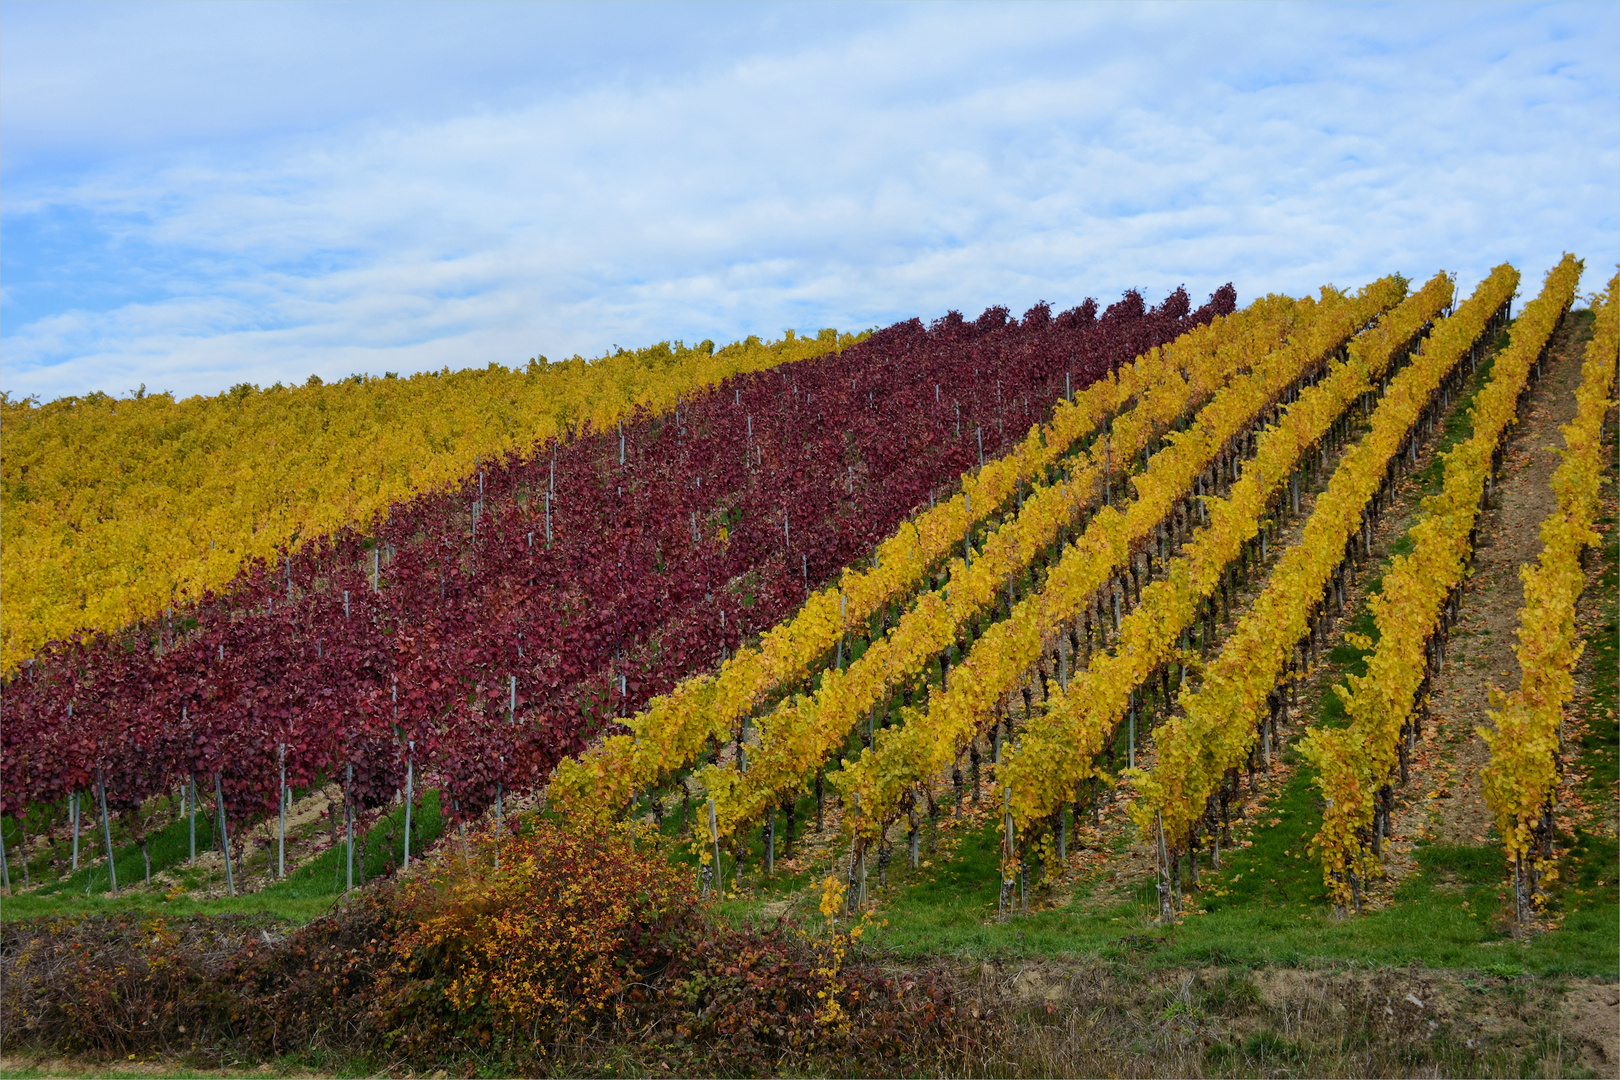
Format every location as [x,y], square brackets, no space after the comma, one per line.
[573,917]
[336,986]
[759,1001]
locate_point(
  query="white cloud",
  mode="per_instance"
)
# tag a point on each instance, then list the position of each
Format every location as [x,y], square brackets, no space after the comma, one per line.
[846,173]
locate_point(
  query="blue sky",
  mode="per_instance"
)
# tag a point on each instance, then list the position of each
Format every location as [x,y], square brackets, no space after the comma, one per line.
[194,196]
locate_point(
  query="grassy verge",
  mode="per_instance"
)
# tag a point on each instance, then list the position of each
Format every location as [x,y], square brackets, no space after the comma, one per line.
[308,890]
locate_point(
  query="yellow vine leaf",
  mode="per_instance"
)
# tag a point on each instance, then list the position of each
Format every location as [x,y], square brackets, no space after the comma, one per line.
[673,729]
[930,739]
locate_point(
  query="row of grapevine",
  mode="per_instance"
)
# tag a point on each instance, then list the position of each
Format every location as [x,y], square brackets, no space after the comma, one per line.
[670,733]
[1056,752]
[1521,781]
[1225,716]
[481,634]
[1101,564]
[1413,608]
[111,510]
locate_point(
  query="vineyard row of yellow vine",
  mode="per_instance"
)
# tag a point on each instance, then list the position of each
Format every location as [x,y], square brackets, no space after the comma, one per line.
[930,739]
[1056,751]
[800,733]
[1521,781]
[1354,762]
[1219,720]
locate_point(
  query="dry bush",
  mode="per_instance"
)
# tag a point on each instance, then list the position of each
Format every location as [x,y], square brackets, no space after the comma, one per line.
[117,984]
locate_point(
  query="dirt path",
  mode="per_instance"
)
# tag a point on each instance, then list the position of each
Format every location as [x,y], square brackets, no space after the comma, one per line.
[1444,800]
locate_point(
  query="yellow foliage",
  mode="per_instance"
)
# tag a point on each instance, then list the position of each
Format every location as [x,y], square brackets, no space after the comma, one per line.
[832,896]
[1522,776]
[1055,751]
[111,510]
[803,730]
[1218,723]
[570,921]
[674,728]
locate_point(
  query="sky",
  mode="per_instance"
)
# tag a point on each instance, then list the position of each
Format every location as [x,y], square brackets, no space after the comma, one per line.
[194,196]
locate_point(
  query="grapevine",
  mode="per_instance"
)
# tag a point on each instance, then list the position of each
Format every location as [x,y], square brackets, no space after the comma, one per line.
[500,624]
[1417,595]
[801,731]
[1055,752]
[1521,780]
[114,509]
[673,729]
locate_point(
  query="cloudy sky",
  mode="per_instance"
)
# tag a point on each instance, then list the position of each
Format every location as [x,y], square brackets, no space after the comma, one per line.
[195,196]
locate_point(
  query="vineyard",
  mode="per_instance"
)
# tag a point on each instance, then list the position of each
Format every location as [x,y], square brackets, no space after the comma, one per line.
[1159,632]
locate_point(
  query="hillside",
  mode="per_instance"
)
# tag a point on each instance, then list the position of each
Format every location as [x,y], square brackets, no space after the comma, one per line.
[1247,707]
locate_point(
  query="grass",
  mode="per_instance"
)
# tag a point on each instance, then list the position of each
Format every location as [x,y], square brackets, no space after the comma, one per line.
[160,1068]
[137,1067]
[307,892]
[169,846]
[131,1069]
[1266,906]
